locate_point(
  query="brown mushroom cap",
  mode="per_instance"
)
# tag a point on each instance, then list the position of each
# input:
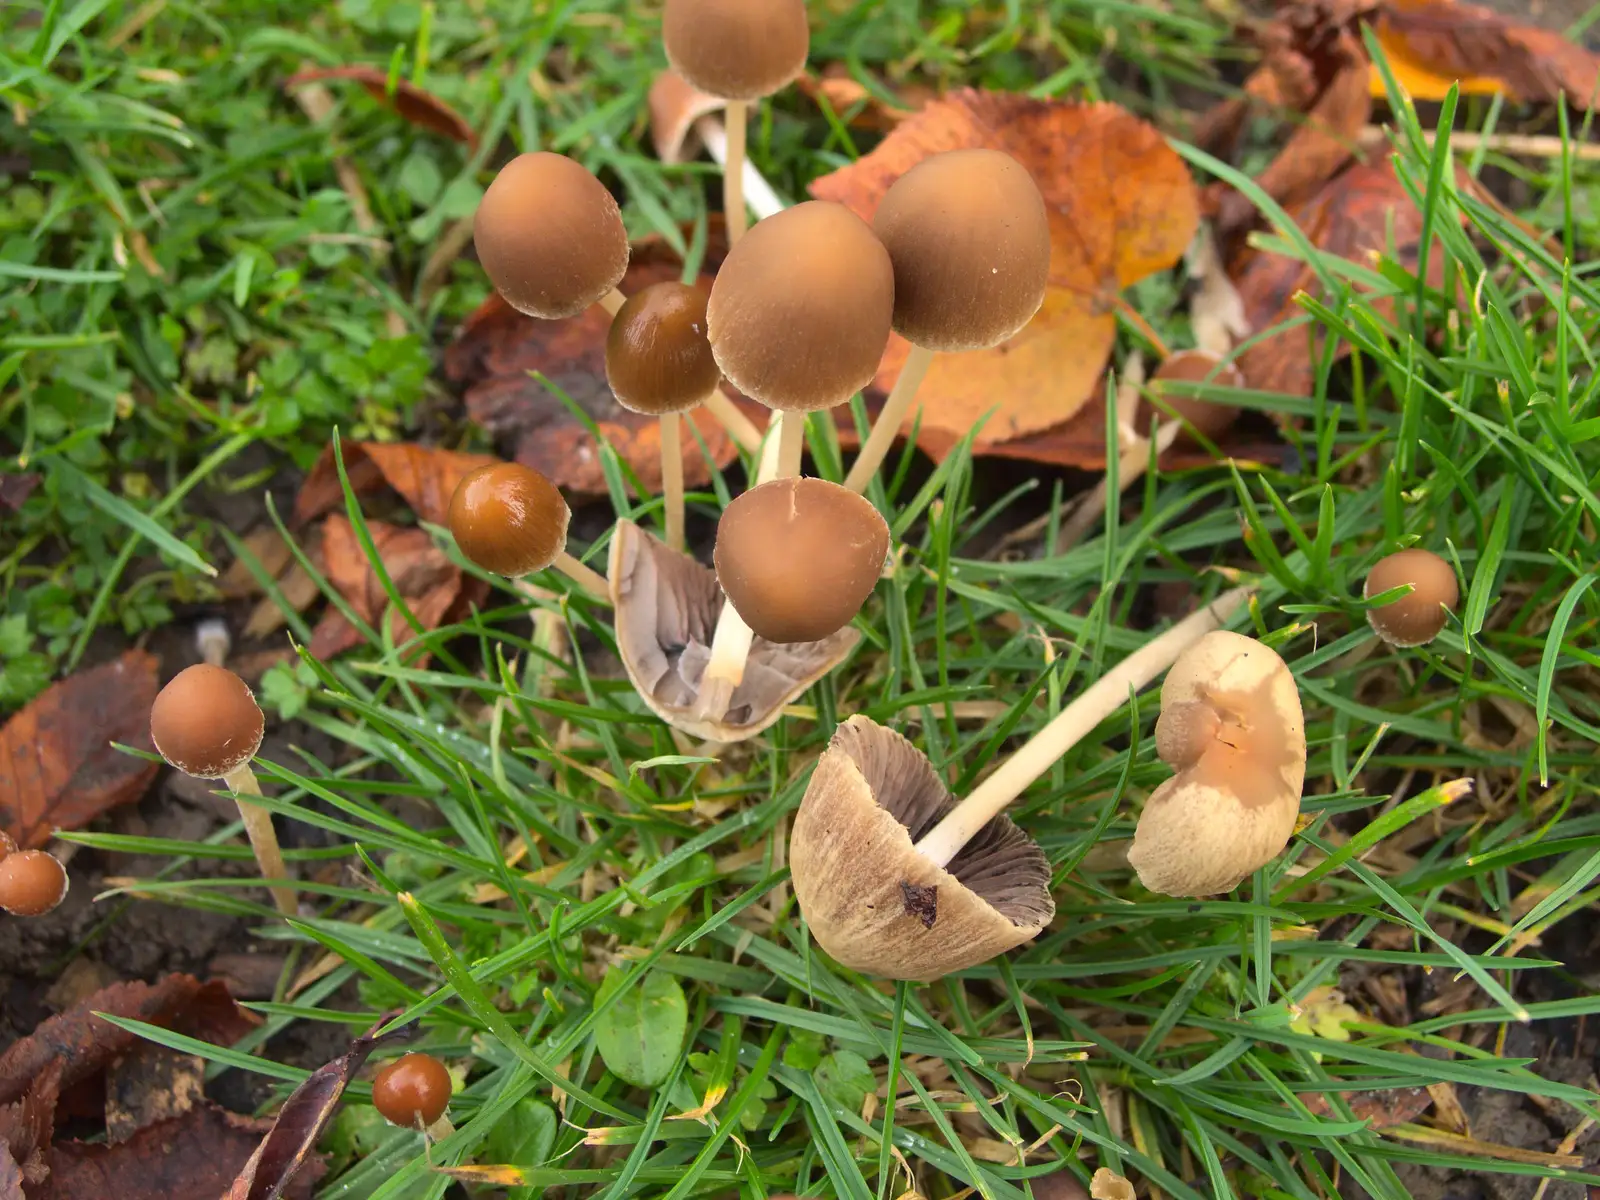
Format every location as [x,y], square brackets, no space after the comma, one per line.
[509,519]
[970,242]
[878,905]
[1232,727]
[550,236]
[735,48]
[31,883]
[206,722]
[414,1088]
[799,557]
[658,359]
[1414,619]
[800,311]
[1194,366]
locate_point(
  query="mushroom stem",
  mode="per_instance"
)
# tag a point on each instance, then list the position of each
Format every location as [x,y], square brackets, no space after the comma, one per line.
[733,211]
[887,427]
[585,577]
[791,444]
[739,427]
[759,196]
[672,478]
[944,841]
[263,838]
[612,301]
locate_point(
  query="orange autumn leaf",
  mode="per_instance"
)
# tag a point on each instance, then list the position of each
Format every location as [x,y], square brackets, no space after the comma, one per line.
[413,103]
[425,477]
[1121,206]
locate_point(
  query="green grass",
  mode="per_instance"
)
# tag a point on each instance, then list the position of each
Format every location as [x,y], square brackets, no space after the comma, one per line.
[1153,1036]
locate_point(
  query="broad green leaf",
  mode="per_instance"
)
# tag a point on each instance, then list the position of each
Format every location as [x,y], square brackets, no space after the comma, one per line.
[641,1033]
[845,1078]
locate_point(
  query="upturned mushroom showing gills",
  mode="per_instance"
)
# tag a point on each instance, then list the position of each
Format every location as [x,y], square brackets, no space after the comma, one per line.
[512,521]
[1416,618]
[1232,728]
[969,238]
[799,557]
[872,900]
[551,237]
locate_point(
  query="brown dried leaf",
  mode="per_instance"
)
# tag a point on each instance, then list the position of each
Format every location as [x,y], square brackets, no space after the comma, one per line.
[193,1157]
[149,1084]
[843,92]
[425,476]
[269,549]
[15,489]
[497,348]
[10,1175]
[57,767]
[411,102]
[1379,1109]
[293,1137]
[27,1126]
[1121,205]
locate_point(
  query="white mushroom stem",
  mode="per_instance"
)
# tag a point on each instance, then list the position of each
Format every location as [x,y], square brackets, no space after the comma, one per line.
[758,194]
[585,577]
[263,838]
[887,427]
[612,301]
[672,477]
[212,640]
[1109,693]
[739,427]
[791,443]
[731,641]
[733,173]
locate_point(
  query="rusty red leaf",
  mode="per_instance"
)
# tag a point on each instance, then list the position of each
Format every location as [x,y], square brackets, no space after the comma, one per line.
[425,477]
[411,102]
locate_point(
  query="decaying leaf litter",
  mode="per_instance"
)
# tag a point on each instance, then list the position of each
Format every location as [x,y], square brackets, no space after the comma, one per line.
[1332,207]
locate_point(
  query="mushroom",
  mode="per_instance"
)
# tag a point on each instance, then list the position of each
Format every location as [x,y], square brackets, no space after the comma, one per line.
[659,363]
[207,724]
[1188,368]
[551,237]
[31,882]
[512,521]
[895,879]
[799,557]
[1232,728]
[7,846]
[1416,618]
[414,1092]
[666,606]
[741,52]
[683,119]
[970,242]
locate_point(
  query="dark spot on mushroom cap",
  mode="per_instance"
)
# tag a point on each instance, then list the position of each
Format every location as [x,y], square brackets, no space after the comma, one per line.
[800,310]
[413,1088]
[206,722]
[970,242]
[31,883]
[734,48]
[1416,618]
[550,236]
[798,557]
[509,519]
[658,358]
[921,902]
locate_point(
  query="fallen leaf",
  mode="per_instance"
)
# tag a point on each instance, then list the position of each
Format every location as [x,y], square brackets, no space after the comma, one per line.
[294,1133]
[434,588]
[192,1157]
[148,1084]
[1121,206]
[425,477]
[1379,1109]
[1354,216]
[497,348]
[411,102]
[26,1127]
[58,769]
[266,544]
[881,108]
[1108,1185]
[1431,44]
[15,489]
[10,1175]
[82,1044]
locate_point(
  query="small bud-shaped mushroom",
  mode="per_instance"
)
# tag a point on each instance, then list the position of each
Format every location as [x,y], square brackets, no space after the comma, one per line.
[736,49]
[550,236]
[658,358]
[31,883]
[206,722]
[509,519]
[1206,417]
[413,1090]
[1232,727]
[1414,619]
[799,557]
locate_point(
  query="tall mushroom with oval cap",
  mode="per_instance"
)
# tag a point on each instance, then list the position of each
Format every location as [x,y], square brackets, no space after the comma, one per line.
[207,724]
[1232,728]
[897,880]
[659,363]
[968,236]
[551,238]
[741,52]
[1416,618]
[512,521]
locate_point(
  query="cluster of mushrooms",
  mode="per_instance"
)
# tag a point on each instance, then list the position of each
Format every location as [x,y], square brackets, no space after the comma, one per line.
[894,876]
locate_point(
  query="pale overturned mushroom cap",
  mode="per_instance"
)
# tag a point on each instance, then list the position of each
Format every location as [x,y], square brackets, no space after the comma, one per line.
[1231,726]
[878,905]
[665,609]
[799,557]
[550,236]
[1416,618]
[739,49]
[970,242]
[800,309]
[675,106]
[1195,366]
[206,722]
